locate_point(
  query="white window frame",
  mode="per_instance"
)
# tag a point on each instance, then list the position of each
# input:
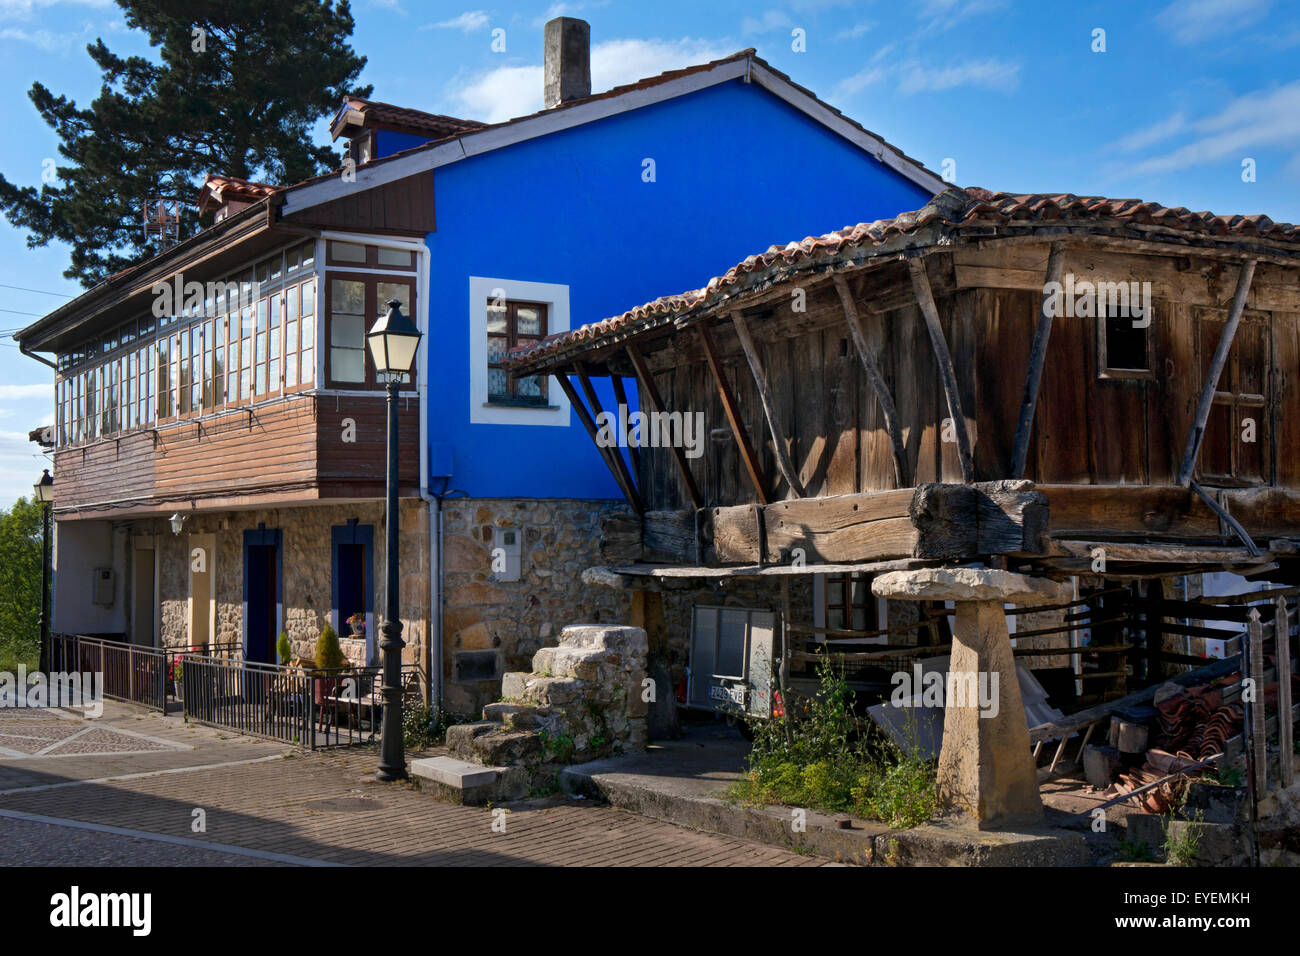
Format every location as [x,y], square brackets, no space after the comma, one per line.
[483,412]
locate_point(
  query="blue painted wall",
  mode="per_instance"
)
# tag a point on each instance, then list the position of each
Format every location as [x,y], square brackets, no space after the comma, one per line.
[387,142]
[737,170]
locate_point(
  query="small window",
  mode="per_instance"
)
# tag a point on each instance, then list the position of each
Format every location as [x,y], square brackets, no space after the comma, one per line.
[510,325]
[850,605]
[395,257]
[1124,349]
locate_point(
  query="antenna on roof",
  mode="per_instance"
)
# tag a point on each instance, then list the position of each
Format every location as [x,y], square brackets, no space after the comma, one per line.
[161,217]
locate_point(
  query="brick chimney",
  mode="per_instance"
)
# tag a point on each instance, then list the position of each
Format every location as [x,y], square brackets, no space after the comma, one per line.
[568,60]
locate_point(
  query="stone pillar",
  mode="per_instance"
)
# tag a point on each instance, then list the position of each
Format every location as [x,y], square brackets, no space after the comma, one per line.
[986,773]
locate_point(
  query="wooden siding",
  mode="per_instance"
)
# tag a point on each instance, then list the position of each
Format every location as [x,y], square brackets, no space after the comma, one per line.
[1089,429]
[291,449]
[404,207]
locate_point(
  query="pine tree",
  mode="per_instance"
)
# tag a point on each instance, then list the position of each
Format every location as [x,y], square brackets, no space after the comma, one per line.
[234,88]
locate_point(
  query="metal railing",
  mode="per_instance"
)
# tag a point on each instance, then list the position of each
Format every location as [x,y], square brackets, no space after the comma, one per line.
[311,709]
[130,672]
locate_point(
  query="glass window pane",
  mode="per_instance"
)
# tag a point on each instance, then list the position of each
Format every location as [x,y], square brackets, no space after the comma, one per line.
[308,367]
[835,618]
[835,591]
[528,320]
[308,331]
[347,365]
[497,383]
[309,298]
[859,619]
[385,291]
[292,302]
[496,319]
[394,257]
[497,347]
[347,252]
[348,331]
[530,387]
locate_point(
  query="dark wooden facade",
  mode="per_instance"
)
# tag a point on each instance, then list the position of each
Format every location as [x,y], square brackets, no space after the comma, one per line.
[1103,459]
[287,450]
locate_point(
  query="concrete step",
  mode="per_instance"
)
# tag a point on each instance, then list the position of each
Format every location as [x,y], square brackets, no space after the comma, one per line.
[459,781]
[513,716]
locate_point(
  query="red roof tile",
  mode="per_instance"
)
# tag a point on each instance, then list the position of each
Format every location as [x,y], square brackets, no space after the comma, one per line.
[217,190]
[952,212]
[403,119]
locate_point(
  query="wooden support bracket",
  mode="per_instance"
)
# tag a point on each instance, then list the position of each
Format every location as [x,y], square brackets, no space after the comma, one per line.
[730,406]
[648,388]
[769,411]
[620,474]
[1037,357]
[925,300]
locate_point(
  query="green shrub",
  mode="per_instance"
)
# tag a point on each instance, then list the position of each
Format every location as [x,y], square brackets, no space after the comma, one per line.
[329,653]
[821,755]
[283,649]
[422,728]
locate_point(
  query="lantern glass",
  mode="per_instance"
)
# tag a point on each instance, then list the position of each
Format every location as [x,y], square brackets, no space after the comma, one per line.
[393,342]
[177,521]
[44,489]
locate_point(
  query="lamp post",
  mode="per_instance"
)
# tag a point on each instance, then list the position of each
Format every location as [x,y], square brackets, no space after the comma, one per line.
[393,341]
[43,492]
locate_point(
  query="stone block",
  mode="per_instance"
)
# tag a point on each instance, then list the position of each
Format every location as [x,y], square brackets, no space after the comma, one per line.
[514,685]
[969,584]
[455,773]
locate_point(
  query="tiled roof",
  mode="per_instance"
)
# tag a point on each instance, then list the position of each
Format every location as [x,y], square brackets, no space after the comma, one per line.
[219,189]
[403,119]
[953,212]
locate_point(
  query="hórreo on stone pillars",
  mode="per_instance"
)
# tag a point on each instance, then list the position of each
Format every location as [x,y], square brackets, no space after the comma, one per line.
[986,771]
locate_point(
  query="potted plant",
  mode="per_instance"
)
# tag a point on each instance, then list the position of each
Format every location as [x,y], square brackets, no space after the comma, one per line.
[283,649]
[358,624]
[174,675]
[329,662]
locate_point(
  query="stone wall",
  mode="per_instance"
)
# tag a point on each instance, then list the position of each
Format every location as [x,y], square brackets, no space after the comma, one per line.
[306,563]
[492,626]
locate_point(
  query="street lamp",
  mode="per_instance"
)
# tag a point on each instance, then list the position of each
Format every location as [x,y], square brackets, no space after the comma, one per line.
[43,492]
[177,521]
[393,342]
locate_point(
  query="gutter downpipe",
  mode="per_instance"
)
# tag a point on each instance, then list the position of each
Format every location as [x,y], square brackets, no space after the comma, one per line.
[433,634]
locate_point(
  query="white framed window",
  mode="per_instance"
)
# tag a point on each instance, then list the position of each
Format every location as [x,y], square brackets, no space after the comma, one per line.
[482,409]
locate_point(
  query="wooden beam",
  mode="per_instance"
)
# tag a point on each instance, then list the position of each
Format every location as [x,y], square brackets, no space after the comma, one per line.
[877,382]
[1211,383]
[729,405]
[1254,708]
[925,300]
[1037,357]
[769,411]
[648,388]
[620,475]
[620,395]
[1228,519]
[613,454]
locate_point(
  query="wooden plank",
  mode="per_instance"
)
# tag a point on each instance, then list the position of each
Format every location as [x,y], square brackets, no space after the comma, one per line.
[670,536]
[964,521]
[1037,357]
[841,528]
[769,408]
[1095,509]
[737,534]
[876,381]
[647,383]
[1211,383]
[842,374]
[613,453]
[732,411]
[925,300]
[629,491]
[1285,727]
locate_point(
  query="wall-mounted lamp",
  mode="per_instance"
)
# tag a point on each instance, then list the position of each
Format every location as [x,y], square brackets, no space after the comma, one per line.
[177,521]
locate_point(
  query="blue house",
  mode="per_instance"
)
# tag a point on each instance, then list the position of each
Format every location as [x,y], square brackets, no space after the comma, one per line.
[492,237]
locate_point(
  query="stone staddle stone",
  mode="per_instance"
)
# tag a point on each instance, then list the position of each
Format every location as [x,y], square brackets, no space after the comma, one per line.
[986,772]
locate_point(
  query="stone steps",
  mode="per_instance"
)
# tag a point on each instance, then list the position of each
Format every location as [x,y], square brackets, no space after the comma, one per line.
[471,784]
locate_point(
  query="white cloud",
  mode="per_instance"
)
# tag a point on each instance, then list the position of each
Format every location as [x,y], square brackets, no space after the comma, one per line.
[859,81]
[857,30]
[946,14]
[769,21]
[990,73]
[23,9]
[1265,118]
[40,390]
[1191,21]
[467,22]
[511,91]
[45,40]
[1153,134]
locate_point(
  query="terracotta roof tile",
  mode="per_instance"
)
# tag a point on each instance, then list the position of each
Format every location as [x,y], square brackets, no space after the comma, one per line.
[218,189]
[953,211]
[404,119]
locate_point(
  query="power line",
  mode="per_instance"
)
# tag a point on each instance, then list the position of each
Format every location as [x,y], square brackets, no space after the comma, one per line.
[20,312]
[37,291]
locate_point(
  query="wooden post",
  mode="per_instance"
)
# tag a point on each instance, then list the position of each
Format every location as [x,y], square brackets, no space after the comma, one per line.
[1258,740]
[648,388]
[729,406]
[925,299]
[1285,727]
[1211,383]
[1037,357]
[620,475]
[769,412]
[877,382]
[613,453]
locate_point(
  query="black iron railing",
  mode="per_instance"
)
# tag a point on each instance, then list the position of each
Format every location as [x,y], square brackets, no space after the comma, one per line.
[130,672]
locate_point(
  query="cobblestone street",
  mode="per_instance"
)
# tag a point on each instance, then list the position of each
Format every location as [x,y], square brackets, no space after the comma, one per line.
[262,804]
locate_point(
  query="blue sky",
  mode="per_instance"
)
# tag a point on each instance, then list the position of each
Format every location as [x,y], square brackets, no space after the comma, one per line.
[1011,94]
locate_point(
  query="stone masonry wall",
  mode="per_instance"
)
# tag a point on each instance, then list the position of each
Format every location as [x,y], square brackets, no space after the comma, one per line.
[306,562]
[490,626]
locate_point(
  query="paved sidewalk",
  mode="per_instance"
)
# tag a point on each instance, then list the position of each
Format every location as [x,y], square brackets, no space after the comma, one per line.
[323,807]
